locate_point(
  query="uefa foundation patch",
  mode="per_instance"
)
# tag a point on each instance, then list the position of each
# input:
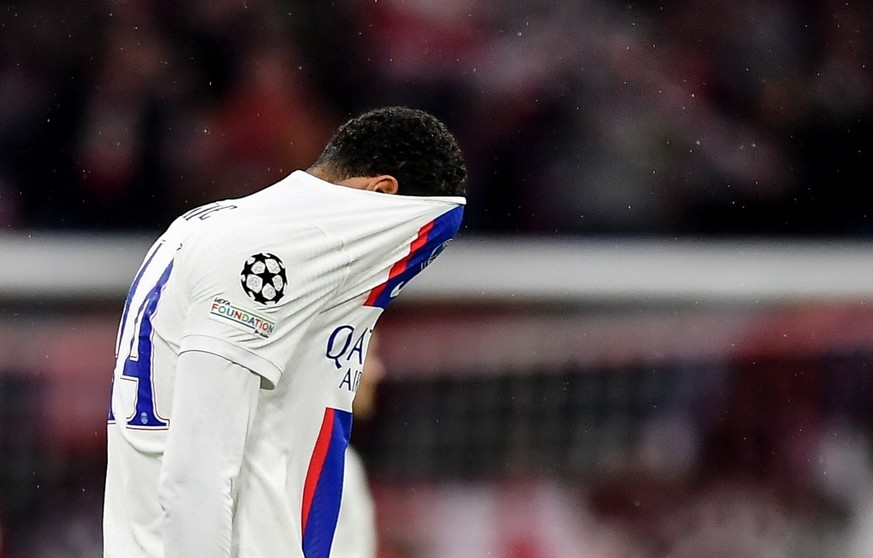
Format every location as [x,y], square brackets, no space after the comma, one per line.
[247,320]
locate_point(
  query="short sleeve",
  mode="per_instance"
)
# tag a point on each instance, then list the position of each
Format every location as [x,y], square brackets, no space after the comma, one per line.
[251,301]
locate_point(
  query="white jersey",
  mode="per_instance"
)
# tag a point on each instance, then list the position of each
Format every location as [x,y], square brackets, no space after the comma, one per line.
[287,282]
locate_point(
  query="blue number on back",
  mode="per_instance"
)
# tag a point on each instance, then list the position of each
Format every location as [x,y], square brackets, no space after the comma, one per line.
[138,361]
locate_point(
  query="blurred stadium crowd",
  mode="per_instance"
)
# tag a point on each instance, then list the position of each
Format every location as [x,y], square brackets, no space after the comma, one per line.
[580,117]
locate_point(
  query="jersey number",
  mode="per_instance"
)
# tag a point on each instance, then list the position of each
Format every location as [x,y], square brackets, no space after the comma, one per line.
[137,361]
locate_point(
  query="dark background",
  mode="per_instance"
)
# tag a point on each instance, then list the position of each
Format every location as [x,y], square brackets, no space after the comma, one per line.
[675,118]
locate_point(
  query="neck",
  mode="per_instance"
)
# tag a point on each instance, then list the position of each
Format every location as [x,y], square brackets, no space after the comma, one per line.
[322,172]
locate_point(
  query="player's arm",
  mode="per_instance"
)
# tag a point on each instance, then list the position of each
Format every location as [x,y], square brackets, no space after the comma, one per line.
[214,403]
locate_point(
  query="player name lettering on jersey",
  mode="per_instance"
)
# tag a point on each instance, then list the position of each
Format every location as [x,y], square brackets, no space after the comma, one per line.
[222,309]
[205,211]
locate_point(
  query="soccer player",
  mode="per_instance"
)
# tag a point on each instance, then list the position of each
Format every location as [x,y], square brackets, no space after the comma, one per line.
[243,338]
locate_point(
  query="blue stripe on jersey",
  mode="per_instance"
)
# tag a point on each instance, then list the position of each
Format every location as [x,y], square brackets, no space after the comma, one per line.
[326,472]
[436,235]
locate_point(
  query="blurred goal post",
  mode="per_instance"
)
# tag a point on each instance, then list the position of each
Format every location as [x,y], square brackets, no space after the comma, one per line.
[97,267]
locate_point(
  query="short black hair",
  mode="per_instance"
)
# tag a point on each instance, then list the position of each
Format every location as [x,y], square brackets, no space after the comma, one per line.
[409,144]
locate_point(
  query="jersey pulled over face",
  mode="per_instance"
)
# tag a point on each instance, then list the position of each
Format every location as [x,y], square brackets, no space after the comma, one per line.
[287,282]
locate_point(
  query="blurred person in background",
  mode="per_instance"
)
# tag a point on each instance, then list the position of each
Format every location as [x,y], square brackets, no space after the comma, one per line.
[217,447]
[356,529]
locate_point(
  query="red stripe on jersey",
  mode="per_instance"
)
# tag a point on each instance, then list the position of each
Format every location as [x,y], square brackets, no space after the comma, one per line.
[316,464]
[400,266]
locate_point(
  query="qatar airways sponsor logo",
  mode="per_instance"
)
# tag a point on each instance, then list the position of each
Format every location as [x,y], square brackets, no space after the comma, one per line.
[346,347]
[223,310]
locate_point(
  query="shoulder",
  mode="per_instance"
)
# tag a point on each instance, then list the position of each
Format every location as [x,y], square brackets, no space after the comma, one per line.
[243,240]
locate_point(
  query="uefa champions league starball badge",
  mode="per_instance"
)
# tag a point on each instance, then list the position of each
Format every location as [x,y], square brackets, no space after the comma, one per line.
[263,278]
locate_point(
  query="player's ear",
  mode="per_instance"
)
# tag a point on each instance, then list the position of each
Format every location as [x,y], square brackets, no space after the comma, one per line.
[384,183]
